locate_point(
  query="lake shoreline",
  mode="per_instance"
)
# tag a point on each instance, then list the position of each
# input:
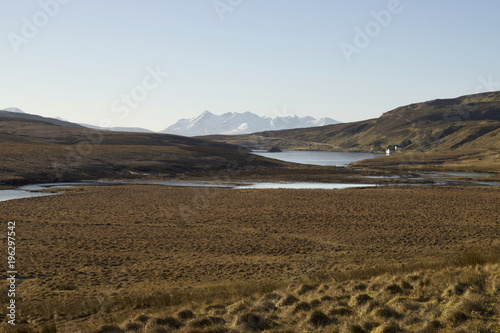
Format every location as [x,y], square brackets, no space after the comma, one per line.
[45,189]
[352,171]
[302,170]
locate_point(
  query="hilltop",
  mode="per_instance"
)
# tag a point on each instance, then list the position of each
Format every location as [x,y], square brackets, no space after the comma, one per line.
[18,115]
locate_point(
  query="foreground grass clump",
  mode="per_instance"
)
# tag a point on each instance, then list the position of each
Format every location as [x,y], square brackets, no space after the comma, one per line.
[451,299]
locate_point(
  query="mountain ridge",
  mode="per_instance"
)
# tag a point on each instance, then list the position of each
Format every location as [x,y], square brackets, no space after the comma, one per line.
[33,117]
[233,123]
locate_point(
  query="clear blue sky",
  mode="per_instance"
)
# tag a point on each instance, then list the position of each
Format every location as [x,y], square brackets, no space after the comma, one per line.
[270,57]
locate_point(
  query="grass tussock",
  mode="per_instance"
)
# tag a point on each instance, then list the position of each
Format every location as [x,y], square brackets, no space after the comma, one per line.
[452,299]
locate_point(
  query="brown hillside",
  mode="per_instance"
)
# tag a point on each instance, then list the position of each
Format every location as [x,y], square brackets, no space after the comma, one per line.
[444,124]
[37,150]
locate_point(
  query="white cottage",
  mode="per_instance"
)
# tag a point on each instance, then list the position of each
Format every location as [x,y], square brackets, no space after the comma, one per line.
[392,149]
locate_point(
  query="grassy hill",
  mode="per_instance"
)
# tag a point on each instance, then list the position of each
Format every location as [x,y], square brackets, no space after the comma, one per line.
[26,116]
[38,149]
[443,124]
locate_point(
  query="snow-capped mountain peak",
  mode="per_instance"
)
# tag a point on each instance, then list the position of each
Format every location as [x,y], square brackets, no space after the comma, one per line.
[16,110]
[206,114]
[322,121]
[240,123]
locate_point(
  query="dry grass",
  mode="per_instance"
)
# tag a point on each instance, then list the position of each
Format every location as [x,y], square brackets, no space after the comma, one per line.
[301,259]
[424,305]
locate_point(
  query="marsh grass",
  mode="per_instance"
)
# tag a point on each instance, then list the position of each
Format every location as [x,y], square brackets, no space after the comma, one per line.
[469,257]
[472,257]
[453,298]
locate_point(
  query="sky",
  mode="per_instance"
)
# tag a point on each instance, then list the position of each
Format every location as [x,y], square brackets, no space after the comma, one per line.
[150,63]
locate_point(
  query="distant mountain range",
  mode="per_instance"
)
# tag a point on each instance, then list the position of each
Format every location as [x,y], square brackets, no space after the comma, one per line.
[233,123]
[207,123]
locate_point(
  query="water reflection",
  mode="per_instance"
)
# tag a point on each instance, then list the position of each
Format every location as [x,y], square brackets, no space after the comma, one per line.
[324,158]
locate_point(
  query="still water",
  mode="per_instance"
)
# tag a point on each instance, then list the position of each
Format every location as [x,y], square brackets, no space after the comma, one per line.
[338,159]
[302,157]
[303,185]
[324,158]
[19,194]
[27,191]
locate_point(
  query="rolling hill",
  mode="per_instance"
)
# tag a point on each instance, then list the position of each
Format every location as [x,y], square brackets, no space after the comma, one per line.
[467,122]
[38,149]
[18,114]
